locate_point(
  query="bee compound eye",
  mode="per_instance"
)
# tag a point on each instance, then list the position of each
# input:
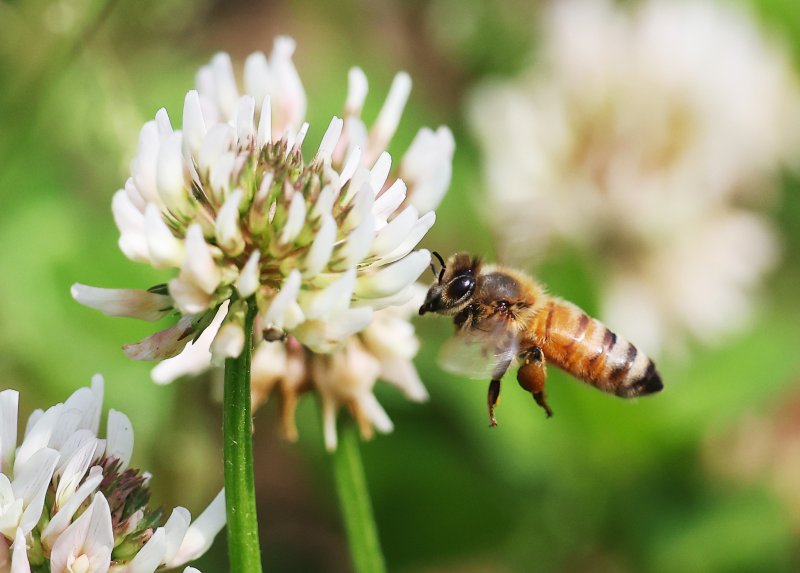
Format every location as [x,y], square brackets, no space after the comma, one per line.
[461,287]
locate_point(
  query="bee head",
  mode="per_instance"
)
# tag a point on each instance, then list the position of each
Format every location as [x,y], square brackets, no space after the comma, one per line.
[454,286]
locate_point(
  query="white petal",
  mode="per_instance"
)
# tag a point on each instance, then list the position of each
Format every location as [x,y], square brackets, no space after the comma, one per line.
[74,471]
[38,436]
[329,141]
[175,530]
[11,508]
[100,535]
[332,300]
[199,266]
[421,227]
[229,235]
[288,97]
[376,414]
[221,175]
[265,124]
[357,88]
[357,244]
[163,344]
[194,125]
[165,250]
[143,166]
[71,541]
[73,443]
[321,249]
[276,313]
[130,222]
[389,116]
[427,167]
[225,84]
[91,414]
[31,483]
[218,141]
[357,137]
[191,570]
[387,203]
[257,77]
[350,165]
[188,297]
[19,555]
[163,124]
[201,533]
[327,335]
[357,183]
[119,438]
[131,303]
[301,136]
[151,555]
[359,241]
[170,175]
[63,517]
[329,423]
[295,219]
[250,275]
[380,171]
[324,203]
[394,277]
[400,298]
[228,343]
[245,128]
[392,235]
[402,374]
[9,402]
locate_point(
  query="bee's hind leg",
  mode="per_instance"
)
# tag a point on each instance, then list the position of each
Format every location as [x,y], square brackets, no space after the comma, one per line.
[533,374]
[494,389]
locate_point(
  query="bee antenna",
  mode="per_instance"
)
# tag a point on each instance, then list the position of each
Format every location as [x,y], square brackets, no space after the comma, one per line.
[441,262]
[433,270]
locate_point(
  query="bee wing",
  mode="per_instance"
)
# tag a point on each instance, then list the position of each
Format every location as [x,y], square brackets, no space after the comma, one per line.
[476,356]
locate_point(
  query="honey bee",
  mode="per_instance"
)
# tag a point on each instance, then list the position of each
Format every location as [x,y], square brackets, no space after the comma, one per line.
[502,315]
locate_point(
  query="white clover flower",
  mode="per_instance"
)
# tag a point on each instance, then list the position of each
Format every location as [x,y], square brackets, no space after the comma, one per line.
[645,136]
[69,501]
[324,246]
[231,203]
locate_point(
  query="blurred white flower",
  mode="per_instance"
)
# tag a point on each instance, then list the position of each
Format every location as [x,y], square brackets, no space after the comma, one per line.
[324,246]
[643,136]
[69,501]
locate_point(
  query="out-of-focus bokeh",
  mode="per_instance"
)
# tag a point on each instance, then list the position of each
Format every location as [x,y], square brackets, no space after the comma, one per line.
[703,477]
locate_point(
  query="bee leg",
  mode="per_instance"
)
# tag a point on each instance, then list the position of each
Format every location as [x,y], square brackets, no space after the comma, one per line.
[532,376]
[494,389]
[494,394]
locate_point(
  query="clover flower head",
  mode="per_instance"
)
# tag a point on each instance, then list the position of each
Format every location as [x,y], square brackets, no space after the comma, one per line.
[322,245]
[70,502]
[231,202]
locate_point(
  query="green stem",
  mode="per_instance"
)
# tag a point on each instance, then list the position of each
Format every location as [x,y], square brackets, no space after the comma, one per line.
[351,484]
[244,552]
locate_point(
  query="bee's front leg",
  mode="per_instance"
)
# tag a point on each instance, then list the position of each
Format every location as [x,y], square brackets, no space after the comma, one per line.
[532,375]
[494,389]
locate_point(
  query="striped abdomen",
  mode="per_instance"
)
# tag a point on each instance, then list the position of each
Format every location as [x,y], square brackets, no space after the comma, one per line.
[585,348]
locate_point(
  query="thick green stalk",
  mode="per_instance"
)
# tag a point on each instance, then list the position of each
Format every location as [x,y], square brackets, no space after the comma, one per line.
[351,484]
[244,552]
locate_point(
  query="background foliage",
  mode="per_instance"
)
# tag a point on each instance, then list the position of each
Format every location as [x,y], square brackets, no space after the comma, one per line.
[603,486]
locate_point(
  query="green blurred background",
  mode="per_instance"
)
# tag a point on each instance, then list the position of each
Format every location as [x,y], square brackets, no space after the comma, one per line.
[604,486]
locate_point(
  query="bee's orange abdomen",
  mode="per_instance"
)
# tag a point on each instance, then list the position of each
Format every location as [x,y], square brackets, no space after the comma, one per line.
[588,350]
